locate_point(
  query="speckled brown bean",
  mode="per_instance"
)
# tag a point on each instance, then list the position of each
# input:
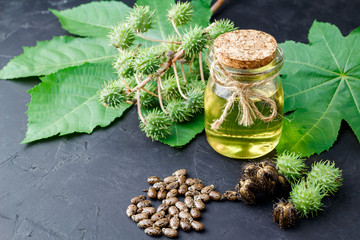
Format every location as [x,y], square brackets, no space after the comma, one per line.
[162,207]
[180,172]
[159,185]
[181,179]
[131,210]
[148,210]
[231,195]
[197,226]
[143,204]
[182,189]
[173,211]
[191,193]
[170,201]
[137,199]
[161,194]
[184,215]
[195,213]
[161,223]
[189,201]
[174,222]
[203,197]
[196,187]
[216,196]
[185,225]
[170,179]
[192,181]
[145,223]
[170,233]
[153,179]
[158,216]
[172,193]
[181,206]
[140,216]
[172,185]
[199,204]
[207,189]
[153,231]
[152,193]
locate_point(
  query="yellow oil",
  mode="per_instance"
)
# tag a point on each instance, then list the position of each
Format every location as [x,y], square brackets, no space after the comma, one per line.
[236,141]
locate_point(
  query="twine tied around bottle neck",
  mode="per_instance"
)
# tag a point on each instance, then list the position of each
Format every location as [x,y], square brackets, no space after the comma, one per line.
[248,112]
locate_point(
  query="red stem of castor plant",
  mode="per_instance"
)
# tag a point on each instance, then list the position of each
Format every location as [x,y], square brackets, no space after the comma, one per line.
[159,93]
[175,28]
[178,82]
[183,72]
[138,102]
[216,5]
[156,40]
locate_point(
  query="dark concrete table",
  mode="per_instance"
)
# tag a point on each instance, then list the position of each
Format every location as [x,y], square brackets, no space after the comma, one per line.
[78,186]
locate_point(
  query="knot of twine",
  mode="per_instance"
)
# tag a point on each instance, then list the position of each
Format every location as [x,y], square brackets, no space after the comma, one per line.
[248,111]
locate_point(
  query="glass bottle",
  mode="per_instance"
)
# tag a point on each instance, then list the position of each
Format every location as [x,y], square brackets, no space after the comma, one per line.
[239,141]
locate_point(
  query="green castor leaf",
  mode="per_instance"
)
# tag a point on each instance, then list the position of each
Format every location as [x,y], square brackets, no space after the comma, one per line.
[124,64]
[307,197]
[221,26]
[157,124]
[325,175]
[178,110]
[291,166]
[113,94]
[180,13]
[140,18]
[121,36]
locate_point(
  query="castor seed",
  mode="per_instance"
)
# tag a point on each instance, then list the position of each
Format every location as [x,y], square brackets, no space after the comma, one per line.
[173,211]
[192,181]
[195,213]
[185,225]
[161,223]
[174,222]
[162,207]
[231,195]
[153,179]
[145,203]
[140,216]
[197,226]
[189,201]
[170,232]
[199,204]
[159,185]
[196,187]
[216,196]
[170,179]
[181,206]
[207,189]
[183,189]
[148,210]
[131,210]
[172,193]
[152,192]
[181,179]
[172,185]
[137,199]
[203,197]
[145,223]
[158,216]
[161,194]
[191,193]
[184,215]
[180,172]
[153,231]
[170,201]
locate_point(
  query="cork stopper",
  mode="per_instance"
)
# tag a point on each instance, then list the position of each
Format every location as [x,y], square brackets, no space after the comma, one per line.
[245,49]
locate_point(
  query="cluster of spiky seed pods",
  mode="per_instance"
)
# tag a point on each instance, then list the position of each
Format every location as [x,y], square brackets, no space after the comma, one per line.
[163,97]
[172,214]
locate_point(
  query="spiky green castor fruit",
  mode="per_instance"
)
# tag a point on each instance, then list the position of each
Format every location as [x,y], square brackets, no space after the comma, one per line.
[170,89]
[221,26]
[124,64]
[147,61]
[169,46]
[157,124]
[140,18]
[325,175]
[196,95]
[291,166]
[193,40]
[180,13]
[307,197]
[147,100]
[121,36]
[113,94]
[178,110]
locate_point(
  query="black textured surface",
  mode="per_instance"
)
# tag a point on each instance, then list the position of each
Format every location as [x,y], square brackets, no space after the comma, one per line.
[78,186]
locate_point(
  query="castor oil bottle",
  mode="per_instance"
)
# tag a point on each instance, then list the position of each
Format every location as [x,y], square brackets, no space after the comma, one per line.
[244,100]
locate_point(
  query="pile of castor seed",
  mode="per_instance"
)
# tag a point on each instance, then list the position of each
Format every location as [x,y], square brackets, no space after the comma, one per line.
[172,214]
